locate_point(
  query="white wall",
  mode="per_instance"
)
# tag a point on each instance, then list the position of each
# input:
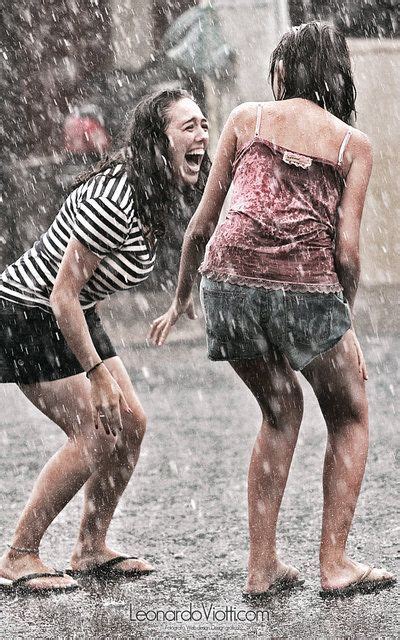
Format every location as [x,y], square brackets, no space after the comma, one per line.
[252,28]
[132,34]
[377,76]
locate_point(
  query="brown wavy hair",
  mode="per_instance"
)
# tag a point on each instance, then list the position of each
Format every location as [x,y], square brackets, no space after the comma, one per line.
[144,155]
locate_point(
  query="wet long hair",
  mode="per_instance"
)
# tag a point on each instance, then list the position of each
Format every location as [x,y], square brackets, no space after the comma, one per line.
[316,66]
[144,153]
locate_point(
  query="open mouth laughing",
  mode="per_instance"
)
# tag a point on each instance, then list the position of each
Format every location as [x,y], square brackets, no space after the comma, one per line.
[194,159]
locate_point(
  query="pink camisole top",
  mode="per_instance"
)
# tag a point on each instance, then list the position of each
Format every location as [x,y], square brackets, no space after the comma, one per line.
[279,232]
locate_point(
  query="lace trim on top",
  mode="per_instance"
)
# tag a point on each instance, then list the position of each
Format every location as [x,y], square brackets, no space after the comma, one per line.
[275,285]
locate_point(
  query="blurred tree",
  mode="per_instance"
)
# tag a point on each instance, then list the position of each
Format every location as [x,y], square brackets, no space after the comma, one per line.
[51,48]
[51,45]
[164,12]
[356,18]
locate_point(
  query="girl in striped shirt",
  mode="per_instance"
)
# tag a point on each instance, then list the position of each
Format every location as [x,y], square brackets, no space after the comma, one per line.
[103,240]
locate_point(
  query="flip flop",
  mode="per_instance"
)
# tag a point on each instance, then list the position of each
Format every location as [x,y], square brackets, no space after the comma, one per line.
[107,570]
[361,585]
[20,585]
[281,584]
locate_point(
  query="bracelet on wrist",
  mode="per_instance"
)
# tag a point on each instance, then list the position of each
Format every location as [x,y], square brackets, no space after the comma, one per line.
[93,368]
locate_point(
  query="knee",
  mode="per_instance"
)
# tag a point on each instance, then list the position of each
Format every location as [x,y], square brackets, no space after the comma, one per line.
[134,428]
[358,408]
[283,410]
[352,409]
[95,446]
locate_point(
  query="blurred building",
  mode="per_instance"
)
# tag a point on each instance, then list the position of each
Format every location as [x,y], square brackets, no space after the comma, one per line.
[59,55]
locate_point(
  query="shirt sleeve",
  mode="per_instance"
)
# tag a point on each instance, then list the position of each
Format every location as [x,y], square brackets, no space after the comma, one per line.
[100,225]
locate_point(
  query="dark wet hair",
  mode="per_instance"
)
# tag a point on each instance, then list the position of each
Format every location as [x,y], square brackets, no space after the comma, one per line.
[144,155]
[316,66]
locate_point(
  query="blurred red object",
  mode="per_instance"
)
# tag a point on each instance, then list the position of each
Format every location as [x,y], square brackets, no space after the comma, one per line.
[84,132]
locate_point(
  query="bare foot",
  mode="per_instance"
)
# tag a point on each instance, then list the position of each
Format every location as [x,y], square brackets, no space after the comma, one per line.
[340,575]
[261,580]
[82,560]
[16,566]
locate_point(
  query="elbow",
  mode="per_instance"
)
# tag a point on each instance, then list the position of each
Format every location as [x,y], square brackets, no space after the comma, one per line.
[199,232]
[60,300]
[57,302]
[197,235]
[53,297]
[348,262]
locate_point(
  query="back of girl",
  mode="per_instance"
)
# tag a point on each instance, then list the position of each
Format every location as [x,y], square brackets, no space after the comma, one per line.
[279,281]
[290,160]
[310,68]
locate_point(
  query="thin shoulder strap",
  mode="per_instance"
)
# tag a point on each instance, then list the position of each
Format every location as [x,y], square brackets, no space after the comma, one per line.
[258,122]
[343,146]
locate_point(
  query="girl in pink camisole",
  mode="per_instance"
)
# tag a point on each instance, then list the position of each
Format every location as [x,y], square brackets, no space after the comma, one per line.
[280,277]
[280,229]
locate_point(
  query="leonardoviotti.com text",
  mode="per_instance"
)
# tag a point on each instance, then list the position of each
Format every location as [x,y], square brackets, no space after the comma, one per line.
[199,613]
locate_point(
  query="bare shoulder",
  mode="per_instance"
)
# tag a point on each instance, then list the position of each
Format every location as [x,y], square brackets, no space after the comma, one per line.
[242,110]
[359,145]
[242,118]
[247,111]
[358,159]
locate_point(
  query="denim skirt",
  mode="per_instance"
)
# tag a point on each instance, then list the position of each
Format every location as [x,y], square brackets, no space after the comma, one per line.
[33,349]
[243,322]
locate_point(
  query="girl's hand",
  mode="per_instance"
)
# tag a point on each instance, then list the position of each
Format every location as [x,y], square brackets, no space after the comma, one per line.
[161,327]
[362,367]
[107,401]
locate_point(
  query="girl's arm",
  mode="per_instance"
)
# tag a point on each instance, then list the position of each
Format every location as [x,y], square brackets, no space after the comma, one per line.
[347,251]
[77,266]
[200,230]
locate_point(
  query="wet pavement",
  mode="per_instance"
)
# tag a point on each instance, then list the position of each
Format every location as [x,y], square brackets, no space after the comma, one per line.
[185,508]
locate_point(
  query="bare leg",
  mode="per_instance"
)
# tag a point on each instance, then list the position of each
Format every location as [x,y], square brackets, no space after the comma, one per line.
[340,390]
[106,485]
[279,395]
[102,492]
[67,402]
[57,483]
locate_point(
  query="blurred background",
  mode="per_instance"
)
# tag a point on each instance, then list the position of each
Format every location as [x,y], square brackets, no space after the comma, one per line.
[74,68]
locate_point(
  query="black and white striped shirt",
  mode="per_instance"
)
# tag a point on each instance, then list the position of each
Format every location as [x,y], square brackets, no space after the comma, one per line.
[99,213]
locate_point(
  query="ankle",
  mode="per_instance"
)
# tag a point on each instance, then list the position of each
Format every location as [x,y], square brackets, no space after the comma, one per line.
[17,551]
[88,547]
[262,559]
[331,561]
[11,557]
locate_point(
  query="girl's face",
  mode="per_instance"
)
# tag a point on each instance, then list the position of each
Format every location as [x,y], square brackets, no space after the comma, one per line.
[187,133]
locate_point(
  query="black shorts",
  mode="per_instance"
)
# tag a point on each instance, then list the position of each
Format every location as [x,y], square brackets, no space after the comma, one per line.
[33,349]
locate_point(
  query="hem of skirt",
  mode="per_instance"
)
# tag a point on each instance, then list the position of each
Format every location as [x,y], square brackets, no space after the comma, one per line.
[254,356]
[51,377]
[275,285]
